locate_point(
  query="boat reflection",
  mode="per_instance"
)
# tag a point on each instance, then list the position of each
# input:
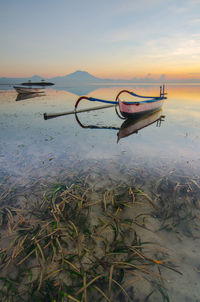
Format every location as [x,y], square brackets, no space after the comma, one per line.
[25,96]
[93,126]
[131,126]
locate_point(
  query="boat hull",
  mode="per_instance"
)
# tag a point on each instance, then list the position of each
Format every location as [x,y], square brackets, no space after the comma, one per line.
[139,108]
[28,90]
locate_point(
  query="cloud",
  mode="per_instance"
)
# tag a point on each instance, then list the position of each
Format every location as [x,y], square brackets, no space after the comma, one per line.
[195,74]
[128,33]
[194,21]
[183,6]
[178,47]
[128,6]
[193,1]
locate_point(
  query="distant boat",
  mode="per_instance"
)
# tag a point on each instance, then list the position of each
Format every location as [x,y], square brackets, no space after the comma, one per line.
[136,108]
[133,125]
[28,90]
[42,83]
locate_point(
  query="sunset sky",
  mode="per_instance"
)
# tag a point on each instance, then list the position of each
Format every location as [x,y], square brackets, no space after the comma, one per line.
[107,38]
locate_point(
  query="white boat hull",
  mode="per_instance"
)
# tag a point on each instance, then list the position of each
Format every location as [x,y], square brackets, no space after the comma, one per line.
[28,90]
[131,110]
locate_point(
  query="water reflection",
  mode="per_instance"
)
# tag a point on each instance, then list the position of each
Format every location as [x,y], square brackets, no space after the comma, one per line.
[161,165]
[80,90]
[88,89]
[131,126]
[25,96]
[94,126]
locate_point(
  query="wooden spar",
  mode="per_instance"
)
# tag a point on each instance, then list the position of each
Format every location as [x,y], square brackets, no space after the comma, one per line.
[52,115]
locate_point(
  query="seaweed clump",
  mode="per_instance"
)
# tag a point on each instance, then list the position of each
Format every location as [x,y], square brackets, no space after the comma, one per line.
[77,245]
[178,204]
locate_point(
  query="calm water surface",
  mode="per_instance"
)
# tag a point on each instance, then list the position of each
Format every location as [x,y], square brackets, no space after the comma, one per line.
[33,149]
[28,142]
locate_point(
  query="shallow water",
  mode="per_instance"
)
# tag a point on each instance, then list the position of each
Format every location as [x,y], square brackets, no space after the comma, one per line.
[35,153]
[28,142]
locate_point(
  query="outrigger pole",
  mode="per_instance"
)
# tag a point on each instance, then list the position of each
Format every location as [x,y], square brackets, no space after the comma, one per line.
[52,115]
[112,104]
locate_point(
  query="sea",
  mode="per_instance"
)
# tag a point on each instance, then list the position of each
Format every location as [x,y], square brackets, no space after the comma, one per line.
[158,153]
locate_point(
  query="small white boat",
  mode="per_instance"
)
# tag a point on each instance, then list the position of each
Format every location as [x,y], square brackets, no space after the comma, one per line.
[28,90]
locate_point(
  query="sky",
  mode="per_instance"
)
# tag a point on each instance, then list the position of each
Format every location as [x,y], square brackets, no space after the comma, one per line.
[108,38]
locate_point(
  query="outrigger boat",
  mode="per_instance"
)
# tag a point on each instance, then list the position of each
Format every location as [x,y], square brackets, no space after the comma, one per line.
[127,109]
[133,108]
[28,90]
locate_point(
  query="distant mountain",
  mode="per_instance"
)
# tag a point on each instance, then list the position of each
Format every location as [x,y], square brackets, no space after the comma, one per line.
[75,78]
[13,81]
[82,78]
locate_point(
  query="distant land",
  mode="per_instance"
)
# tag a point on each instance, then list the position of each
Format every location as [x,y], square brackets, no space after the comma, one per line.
[84,78]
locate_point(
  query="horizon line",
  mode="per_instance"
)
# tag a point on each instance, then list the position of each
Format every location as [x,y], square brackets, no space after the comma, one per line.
[134,79]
